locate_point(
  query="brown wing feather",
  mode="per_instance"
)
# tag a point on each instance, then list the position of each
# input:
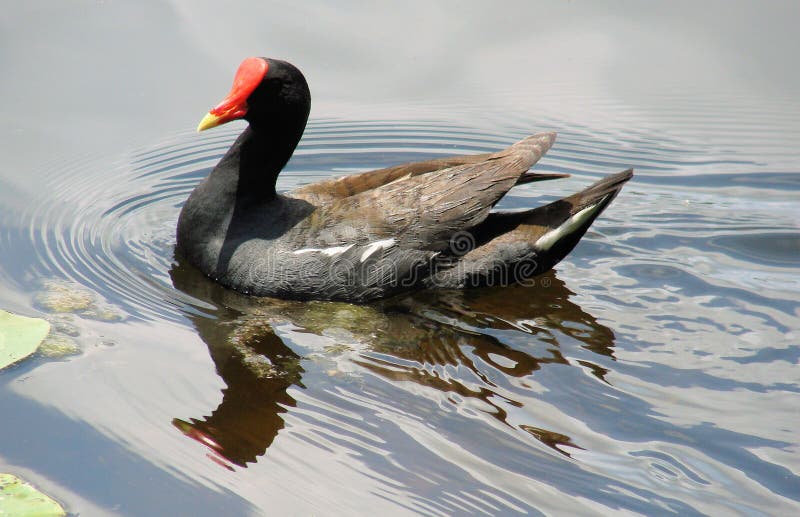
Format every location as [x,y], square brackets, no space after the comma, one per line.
[327,191]
[425,210]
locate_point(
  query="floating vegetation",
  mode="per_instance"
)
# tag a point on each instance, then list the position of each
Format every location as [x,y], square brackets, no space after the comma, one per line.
[56,346]
[63,297]
[18,497]
[20,336]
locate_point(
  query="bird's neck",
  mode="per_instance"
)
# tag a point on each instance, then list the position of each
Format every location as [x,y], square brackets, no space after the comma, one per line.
[252,164]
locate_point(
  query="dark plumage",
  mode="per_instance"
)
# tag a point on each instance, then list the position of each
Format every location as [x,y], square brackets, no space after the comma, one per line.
[374,234]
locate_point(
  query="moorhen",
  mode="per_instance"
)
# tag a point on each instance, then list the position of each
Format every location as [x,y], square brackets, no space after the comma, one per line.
[357,238]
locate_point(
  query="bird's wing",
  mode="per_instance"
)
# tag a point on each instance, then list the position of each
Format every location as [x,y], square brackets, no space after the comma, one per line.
[424,211]
[328,191]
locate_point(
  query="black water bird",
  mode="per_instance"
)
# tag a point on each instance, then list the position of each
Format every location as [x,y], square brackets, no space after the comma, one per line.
[366,236]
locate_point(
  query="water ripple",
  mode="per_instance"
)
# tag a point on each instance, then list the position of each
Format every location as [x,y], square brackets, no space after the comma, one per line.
[590,390]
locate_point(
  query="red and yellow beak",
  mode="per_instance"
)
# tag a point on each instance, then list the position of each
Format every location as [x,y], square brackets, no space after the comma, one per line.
[250,74]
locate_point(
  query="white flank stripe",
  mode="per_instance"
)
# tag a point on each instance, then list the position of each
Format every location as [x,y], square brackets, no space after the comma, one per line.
[335,250]
[375,246]
[546,241]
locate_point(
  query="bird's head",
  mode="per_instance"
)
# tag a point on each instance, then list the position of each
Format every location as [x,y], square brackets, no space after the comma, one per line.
[265,91]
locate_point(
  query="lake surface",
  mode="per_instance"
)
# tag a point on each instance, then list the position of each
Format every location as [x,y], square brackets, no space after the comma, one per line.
[655,371]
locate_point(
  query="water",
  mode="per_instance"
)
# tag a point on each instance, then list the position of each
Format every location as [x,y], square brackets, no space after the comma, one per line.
[654,371]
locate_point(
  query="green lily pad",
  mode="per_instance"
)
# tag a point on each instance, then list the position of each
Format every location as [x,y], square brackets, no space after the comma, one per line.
[19,498]
[19,337]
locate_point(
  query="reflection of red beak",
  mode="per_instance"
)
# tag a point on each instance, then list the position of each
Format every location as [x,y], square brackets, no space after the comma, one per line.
[192,432]
[250,74]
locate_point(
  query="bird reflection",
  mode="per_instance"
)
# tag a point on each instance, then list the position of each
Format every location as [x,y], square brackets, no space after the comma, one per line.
[424,330]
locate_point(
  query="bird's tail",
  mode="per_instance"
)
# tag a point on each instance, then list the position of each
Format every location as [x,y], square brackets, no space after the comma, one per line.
[555,229]
[516,246]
